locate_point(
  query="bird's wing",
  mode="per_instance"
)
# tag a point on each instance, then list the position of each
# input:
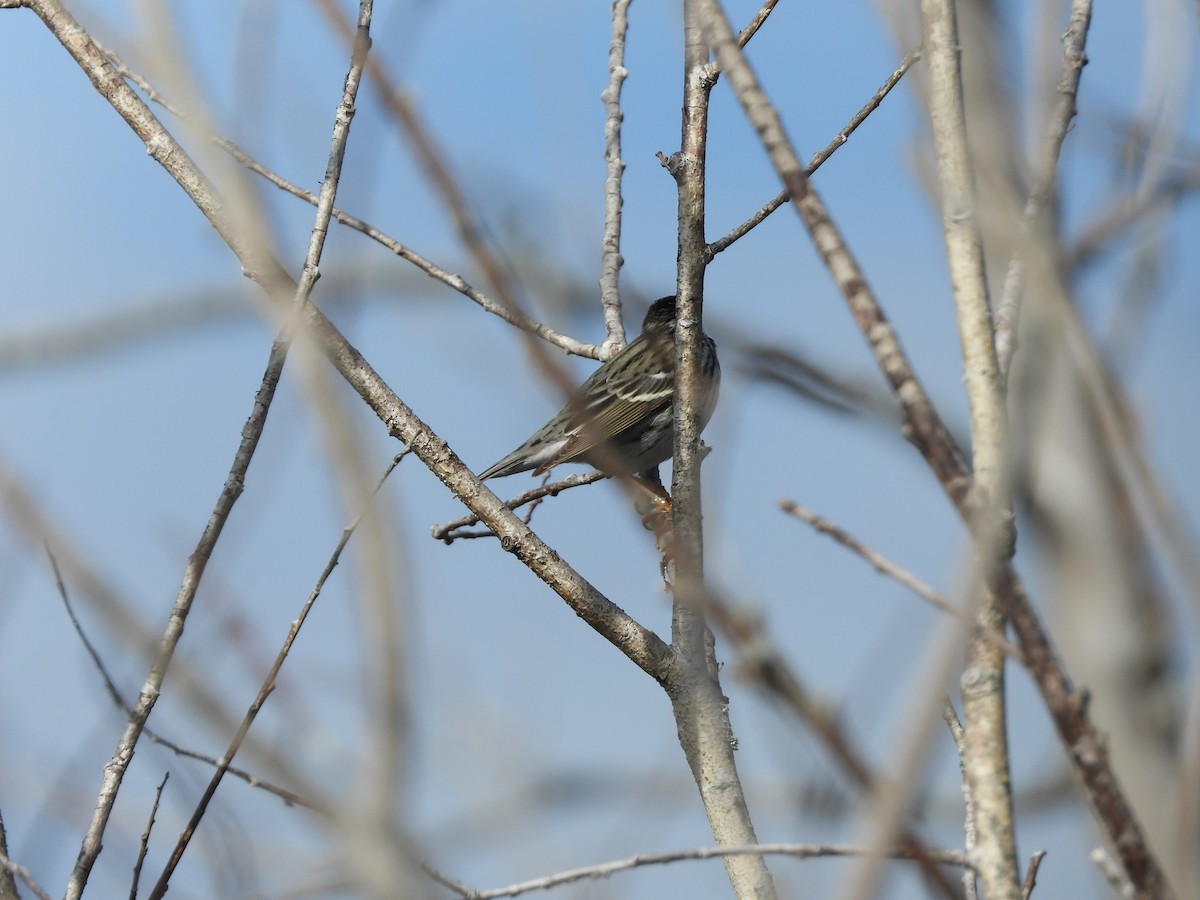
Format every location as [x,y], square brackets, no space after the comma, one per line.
[612,403]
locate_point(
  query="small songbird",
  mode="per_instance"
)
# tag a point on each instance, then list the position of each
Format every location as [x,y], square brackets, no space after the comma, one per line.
[620,419]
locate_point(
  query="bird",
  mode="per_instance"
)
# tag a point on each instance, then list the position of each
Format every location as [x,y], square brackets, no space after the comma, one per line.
[620,420]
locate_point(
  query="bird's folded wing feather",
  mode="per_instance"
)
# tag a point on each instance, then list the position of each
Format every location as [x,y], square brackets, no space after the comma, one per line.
[628,398]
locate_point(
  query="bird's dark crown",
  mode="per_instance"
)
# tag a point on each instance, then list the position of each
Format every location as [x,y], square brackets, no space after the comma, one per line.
[661,313]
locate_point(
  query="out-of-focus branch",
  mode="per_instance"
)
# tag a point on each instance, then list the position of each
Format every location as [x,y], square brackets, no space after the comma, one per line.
[925,429]
[1041,208]
[1126,211]
[985,757]
[11,867]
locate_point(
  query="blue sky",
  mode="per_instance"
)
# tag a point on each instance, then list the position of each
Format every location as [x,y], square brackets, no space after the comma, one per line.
[126,447]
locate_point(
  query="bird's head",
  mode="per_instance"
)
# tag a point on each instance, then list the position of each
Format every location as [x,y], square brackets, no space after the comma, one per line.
[661,314]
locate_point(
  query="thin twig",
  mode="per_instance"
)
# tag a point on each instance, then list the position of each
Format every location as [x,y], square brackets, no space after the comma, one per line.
[144,845]
[341,133]
[878,561]
[360,48]
[885,566]
[109,684]
[798,851]
[756,23]
[290,798]
[818,159]
[452,530]
[1035,863]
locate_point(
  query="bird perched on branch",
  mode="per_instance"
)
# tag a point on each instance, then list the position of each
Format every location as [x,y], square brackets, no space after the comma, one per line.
[620,419]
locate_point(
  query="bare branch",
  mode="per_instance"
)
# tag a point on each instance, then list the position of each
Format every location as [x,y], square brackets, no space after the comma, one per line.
[757,22]
[959,736]
[452,530]
[610,257]
[700,708]
[797,851]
